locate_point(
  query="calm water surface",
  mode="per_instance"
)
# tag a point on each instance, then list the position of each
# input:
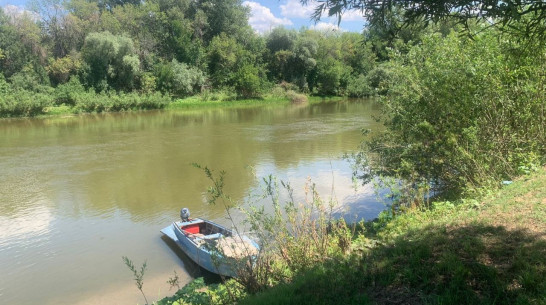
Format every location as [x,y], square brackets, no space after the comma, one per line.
[78,193]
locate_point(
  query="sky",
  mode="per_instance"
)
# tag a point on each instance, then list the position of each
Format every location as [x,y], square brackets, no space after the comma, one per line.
[268,14]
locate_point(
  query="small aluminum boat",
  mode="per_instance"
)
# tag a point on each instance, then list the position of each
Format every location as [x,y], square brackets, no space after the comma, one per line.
[211,246]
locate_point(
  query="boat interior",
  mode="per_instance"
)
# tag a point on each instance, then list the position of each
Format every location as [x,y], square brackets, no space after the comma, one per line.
[202,232]
[205,230]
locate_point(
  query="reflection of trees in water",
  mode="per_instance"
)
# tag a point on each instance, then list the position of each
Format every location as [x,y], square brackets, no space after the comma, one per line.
[140,162]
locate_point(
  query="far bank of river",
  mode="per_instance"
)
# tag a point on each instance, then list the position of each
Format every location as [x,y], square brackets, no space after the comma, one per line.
[188,103]
[80,192]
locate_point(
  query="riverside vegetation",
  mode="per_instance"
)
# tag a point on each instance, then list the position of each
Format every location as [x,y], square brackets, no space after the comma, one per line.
[73,56]
[463,101]
[463,105]
[466,251]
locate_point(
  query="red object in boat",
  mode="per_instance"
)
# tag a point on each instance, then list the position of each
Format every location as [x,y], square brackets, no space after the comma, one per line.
[192,229]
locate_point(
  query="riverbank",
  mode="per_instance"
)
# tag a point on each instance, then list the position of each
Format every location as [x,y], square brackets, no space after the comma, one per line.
[201,102]
[100,186]
[488,251]
[78,101]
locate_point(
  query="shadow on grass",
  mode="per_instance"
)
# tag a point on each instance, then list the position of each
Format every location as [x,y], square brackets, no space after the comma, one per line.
[471,264]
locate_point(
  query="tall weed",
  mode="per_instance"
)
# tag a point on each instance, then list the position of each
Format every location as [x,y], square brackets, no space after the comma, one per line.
[292,236]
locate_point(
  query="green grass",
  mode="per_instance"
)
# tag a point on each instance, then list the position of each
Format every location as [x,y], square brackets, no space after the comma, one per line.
[58,111]
[319,99]
[93,103]
[491,251]
[197,102]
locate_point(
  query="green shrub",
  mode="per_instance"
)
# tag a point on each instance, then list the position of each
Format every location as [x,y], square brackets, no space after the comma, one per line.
[60,70]
[23,103]
[248,81]
[104,102]
[359,87]
[461,114]
[379,79]
[179,79]
[4,86]
[109,61]
[296,98]
[31,78]
[67,93]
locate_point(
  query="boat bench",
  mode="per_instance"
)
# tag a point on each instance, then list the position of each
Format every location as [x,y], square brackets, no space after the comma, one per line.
[211,236]
[201,239]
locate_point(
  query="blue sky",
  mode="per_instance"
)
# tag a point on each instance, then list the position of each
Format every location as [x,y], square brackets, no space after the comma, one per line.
[268,14]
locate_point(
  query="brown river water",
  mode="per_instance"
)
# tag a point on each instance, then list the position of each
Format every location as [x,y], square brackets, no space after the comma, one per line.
[78,193]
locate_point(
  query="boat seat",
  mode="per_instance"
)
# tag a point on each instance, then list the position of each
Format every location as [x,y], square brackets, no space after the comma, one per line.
[212,236]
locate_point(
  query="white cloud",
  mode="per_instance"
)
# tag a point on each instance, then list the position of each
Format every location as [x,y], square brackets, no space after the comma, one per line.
[16,12]
[261,19]
[353,15]
[13,10]
[327,27]
[294,9]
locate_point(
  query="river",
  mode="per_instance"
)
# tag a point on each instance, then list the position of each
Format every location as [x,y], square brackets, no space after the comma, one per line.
[78,193]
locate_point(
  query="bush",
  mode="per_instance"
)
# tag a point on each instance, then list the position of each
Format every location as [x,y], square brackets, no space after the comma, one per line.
[179,79]
[296,98]
[461,114]
[103,102]
[186,80]
[60,70]
[293,238]
[31,78]
[23,103]
[4,86]
[329,76]
[379,79]
[148,83]
[278,92]
[359,87]
[248,81]
[67,93]
[109,60]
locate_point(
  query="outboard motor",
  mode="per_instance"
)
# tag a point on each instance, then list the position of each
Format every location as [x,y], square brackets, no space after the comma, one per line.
[185,214]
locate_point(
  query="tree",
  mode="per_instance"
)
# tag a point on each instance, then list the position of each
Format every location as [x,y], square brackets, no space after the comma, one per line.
[111,4]
[61,69]
[329,76]
[223,55]
[20,42]
[281,39]
[111,61]
[223,16]
[525,17]
[249,81]
[179,79]
[460,118]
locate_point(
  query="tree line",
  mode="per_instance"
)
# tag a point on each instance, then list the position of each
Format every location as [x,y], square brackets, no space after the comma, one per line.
[84,52]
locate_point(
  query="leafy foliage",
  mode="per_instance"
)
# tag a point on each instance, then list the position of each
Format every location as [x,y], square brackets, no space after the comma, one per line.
[525,18]
[178,79]
[456,118]
[138,274]
[464,252]
[110,61]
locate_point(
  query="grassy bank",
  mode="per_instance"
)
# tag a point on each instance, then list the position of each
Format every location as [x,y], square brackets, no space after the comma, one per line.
[78,101]
[489,251]
[199,102]
[469,252]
